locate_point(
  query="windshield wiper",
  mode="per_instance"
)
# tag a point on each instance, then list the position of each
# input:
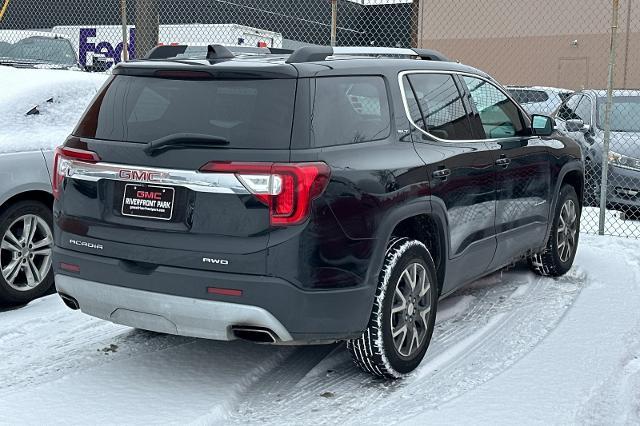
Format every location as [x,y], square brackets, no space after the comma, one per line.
[186,140]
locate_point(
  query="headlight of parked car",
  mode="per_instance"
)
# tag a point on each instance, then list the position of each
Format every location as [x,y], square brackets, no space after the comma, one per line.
[624,161]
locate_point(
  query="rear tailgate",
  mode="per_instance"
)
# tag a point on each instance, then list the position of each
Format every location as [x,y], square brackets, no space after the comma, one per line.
[153,208]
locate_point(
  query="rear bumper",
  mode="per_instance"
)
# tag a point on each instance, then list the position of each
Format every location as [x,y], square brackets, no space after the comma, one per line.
[165,313]
[175,300]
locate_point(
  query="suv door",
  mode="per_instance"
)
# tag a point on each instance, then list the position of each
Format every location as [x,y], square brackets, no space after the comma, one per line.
[523,175]
[460,169]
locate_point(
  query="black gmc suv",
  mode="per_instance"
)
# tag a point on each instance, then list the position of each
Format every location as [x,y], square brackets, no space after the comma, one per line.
[314,197]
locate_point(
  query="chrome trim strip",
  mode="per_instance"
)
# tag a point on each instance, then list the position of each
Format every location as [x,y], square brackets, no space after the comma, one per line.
[480,77]
[369,50]
[216,183]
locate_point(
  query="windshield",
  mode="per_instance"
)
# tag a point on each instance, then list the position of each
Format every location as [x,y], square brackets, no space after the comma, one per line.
[43,50]
[252,114]
[625,113]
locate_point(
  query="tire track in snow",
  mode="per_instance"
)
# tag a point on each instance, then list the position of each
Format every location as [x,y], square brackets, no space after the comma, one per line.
[279,381]
[509,314]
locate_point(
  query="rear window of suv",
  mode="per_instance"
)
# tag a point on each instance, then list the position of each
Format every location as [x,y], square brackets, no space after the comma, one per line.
[250,114]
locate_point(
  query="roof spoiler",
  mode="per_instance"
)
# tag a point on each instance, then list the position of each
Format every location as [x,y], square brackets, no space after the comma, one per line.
[214,51]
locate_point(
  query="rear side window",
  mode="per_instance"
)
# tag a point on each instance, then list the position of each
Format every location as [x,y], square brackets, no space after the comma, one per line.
[529,96]
[251,114]
[349,110]
[435,105]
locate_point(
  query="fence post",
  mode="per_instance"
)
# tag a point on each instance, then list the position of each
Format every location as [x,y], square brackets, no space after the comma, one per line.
[607,117]
[147,26]
[125,42]
[334,21]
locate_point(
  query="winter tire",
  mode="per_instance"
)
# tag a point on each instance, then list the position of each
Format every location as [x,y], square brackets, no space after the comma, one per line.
[557,257]
[25,252]
[403,315]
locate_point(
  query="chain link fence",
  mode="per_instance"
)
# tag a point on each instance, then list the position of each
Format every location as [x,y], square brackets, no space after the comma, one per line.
[553,56]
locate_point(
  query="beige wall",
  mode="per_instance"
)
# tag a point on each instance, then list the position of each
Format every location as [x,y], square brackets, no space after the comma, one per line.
[531,42]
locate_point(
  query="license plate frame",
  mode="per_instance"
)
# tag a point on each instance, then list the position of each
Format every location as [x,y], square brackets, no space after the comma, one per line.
[148,201]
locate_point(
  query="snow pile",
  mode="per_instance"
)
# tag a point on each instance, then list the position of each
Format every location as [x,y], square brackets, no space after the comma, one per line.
[22,89]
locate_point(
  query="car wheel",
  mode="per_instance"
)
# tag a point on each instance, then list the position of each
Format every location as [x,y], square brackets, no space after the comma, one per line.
[556,259]
[25,252]
[403,315]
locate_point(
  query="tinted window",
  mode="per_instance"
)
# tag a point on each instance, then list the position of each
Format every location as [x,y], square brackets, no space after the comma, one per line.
[248,113]
[583,111]
[625,113]
[349,110]
[529,96]
[500,117]
[435,105]
[567,110]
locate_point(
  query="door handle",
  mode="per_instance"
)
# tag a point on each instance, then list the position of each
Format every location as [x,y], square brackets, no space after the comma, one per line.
[503,162]
[441,174]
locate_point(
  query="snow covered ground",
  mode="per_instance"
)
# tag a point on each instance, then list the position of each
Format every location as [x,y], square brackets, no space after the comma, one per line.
[615,223]
[510,348]
[22,89]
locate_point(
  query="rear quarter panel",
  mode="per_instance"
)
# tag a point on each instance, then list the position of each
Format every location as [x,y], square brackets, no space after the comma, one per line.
[24,171]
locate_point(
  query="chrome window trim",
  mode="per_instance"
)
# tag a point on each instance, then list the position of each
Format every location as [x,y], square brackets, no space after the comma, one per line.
[460,73]
[215,183]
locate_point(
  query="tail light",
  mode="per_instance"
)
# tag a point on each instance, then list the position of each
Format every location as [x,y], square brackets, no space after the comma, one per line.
[287,188]
[61,164]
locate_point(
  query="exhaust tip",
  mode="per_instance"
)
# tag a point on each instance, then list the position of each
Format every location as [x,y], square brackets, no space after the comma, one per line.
[255,334]
[69,301]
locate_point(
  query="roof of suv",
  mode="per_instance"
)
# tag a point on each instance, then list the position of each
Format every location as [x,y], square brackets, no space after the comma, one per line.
[277,66]
[617,92]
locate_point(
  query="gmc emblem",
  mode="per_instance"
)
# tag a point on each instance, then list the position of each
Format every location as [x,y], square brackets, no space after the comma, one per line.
[139,175]
[148,195]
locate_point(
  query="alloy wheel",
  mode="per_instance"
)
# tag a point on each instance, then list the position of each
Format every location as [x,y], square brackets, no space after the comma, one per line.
[567,229]
[410,309]
[25,252]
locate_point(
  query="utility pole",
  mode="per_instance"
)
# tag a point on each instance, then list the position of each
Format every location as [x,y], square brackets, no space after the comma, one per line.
[607,116]
[125,42]
[147,26]
[334,21]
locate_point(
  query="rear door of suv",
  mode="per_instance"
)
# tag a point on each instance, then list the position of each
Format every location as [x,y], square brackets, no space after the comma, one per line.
[460,167]
[167,167]
[522,168]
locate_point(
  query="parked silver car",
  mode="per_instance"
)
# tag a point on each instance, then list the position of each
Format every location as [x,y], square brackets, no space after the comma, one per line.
[25,226]
[38,109]
[539,99]
[582,118]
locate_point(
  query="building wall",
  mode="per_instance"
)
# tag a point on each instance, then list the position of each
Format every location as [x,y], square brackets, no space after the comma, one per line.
[532,42]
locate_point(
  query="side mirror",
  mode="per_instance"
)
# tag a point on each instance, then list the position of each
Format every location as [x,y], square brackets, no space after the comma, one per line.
[577,125]
[542,125]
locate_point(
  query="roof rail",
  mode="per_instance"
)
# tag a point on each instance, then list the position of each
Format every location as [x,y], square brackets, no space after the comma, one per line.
[310,54]
[321,53]
[166,51]
[431,55]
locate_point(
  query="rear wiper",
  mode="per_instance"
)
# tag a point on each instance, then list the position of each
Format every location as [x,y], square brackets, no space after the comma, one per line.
[186,140]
